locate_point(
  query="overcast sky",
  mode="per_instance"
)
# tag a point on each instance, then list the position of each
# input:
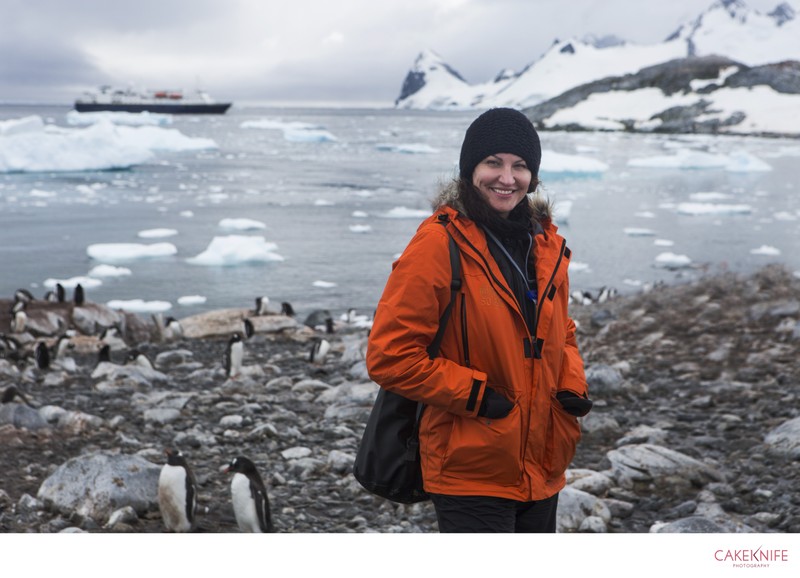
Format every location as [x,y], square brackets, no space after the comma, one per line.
[302,51]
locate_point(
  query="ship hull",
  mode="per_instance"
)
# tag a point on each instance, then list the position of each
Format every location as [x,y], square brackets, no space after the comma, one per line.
[199,108]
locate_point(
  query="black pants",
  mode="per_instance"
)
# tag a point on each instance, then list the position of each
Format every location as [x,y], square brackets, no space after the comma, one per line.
[476,514]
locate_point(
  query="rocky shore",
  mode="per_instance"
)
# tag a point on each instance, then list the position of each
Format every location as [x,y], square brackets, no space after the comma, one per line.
[696,425]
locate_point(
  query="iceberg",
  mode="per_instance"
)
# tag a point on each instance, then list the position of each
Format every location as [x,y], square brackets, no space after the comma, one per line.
[236,250]
[115,252]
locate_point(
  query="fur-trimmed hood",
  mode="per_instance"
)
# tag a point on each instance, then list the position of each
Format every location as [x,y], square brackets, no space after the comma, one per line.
[541,207]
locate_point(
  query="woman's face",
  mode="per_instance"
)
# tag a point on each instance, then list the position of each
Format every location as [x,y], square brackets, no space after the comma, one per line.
[502,180]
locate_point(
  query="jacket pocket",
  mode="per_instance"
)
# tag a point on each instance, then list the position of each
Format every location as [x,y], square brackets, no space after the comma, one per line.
[563,435]
[485,450]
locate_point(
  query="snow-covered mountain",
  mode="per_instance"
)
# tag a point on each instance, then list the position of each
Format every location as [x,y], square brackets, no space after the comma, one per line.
[727,28]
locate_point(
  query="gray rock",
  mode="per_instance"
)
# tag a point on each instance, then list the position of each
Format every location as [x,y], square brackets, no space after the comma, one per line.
[647,462]
[690,525]
[785,439]
[97,484]
[603,379]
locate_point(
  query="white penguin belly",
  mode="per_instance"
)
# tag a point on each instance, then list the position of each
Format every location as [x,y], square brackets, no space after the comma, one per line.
[243,505]
[172,498]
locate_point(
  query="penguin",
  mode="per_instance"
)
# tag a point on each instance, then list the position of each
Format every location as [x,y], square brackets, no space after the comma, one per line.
[249,329]
[12,392]
[63,345]
[78,296]
[104,354]
[9,347]
[580,297]
[42,355]
[56,296]
[177,493]
[261,306]
[23,296]
[136,357]
[172,329]
[319,350]
[605,294]
[287,309]
[113,337]
[249,497]
[19,320]
[234,356]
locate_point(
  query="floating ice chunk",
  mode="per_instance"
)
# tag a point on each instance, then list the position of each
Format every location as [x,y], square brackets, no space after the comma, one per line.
[324,284]
[38,193]
[576,266]
[408,148]
[709,196]
[31,146]
[75,118]
[109,271]
[663,243]
[744,162]
[360,214]
[360,228]
[236,250]
[553,162]
[187,214]
[405,213]
[293,131]
[637,232]
[191,300]
[784,216]
[645,214]
[156,233]
[690,159]
[324,203]
[72,282]
[116,252]
[140,306]
[241,224]
[308,135]
[672,261]
[765,250]
[713,209]
[33,123]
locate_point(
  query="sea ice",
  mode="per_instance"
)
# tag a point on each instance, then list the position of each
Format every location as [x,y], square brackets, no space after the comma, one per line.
[140,306]
[407,148]
[672,261]
[713,209]
[156,233]
[115,252]
[191,300]
[553,162]
[637,232]
[405,213]
[765,250]
[75,118]
[324,284]
[360,228]
[109,271]
[241,224]
[236,250]
[72,282]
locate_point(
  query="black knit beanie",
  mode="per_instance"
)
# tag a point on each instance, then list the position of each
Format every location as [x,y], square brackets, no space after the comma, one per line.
[500,130]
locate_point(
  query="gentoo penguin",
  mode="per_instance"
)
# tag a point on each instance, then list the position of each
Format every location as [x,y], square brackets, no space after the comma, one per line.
[319,350]
[112,335]
[78,296]
[19,320]
[234,356]
[249,329]
[23,296]
[56,296]
[177,493]
[261,306]
[605,294]
[104,354]
[136,357]
[172,329]
[287,309]
[42,355]
[249,497]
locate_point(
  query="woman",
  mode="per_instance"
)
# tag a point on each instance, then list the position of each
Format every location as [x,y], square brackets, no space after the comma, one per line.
[500,426]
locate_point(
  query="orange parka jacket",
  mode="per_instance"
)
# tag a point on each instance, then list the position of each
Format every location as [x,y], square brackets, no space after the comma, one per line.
[524,455]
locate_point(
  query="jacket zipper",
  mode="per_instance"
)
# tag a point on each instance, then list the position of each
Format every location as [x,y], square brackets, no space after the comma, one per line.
[543,295]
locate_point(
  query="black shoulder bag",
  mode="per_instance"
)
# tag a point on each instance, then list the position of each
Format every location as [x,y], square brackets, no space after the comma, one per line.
[387,463]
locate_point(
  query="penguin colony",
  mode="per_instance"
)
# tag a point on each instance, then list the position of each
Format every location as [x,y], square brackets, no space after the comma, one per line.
[177,486]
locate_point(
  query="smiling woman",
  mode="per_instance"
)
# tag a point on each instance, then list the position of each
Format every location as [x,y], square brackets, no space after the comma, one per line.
[509,367]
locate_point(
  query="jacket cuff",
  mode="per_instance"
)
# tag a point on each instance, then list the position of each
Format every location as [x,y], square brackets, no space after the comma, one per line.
[475,396]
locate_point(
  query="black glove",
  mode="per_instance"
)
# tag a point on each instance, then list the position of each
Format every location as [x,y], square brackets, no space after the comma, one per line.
[494,405]
[574,404]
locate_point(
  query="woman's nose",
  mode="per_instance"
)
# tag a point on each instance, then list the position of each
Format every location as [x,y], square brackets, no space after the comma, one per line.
[507,175]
